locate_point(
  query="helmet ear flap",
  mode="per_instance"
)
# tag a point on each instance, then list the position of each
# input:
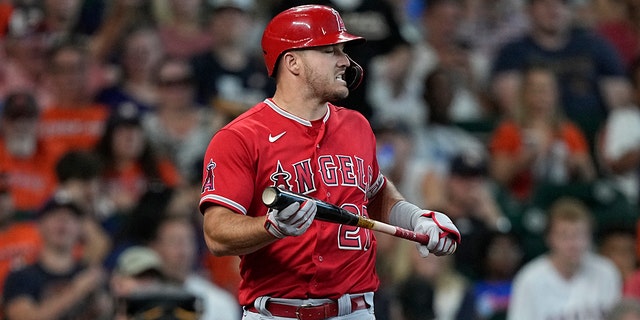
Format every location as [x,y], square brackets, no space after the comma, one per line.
[353,75]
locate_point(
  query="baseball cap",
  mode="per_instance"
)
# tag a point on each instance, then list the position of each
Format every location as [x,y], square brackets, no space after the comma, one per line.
[125,114]
[137,260]
[20,105]
[469,164]
[59,201]
[243,5]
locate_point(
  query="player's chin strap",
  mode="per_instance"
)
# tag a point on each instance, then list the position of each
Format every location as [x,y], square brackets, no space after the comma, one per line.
[353,75]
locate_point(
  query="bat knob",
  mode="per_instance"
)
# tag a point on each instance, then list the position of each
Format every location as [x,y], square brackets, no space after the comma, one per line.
[269,196]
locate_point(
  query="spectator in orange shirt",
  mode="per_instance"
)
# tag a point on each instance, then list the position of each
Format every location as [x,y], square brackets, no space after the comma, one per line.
[539,144]
[131,166]
[20,242]
[27,160]
[73,120]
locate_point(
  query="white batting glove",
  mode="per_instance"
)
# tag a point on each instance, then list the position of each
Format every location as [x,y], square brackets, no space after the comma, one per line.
[293,220]
[444,237]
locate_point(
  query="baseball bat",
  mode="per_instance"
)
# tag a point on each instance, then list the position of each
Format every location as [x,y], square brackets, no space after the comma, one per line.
[279,199]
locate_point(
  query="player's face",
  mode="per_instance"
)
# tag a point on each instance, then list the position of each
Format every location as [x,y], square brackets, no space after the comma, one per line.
[324,69]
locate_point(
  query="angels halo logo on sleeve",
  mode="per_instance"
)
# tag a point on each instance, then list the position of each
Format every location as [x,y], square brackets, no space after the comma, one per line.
[208,183]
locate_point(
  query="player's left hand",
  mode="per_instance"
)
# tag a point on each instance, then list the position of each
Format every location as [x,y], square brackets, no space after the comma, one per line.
[444,237]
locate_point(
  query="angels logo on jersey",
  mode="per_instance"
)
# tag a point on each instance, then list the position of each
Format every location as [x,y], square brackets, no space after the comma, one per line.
[281,177]
[208,182]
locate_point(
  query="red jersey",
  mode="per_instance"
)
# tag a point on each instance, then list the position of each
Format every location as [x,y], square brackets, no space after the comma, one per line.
[332,159]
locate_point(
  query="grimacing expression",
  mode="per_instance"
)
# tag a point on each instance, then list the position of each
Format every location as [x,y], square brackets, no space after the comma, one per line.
[324,69]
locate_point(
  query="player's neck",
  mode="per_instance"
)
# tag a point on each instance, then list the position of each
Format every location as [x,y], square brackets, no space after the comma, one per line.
[297,105]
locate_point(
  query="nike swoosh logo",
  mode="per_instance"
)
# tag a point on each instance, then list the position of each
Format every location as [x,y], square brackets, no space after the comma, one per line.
[274,138]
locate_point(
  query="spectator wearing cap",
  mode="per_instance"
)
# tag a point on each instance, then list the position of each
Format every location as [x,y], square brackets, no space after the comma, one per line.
[25,157]
[467,196]
[138,285]
[57,285]
[137,268]
[20,241]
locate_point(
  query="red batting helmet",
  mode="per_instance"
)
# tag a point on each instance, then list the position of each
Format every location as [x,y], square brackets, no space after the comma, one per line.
[303,26]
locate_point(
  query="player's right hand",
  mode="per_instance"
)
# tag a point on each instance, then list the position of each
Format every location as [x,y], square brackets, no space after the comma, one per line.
[444,236]
[293,220]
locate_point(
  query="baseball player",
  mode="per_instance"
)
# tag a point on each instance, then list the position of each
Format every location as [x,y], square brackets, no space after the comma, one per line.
[293,266]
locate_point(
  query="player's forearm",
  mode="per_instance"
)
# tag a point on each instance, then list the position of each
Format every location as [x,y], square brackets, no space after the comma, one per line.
[228,233]
[380,206]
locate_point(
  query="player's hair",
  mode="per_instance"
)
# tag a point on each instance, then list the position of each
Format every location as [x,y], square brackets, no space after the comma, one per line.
[568,209]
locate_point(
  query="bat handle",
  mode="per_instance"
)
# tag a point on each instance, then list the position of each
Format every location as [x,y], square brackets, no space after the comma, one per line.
[411,235]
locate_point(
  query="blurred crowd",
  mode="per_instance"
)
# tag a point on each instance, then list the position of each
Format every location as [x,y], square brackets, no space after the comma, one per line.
[519,119]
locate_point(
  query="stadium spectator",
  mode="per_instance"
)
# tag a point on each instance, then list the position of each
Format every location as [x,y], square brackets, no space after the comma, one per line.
[590,72]
[467,195]
[230,76]
[175,242]
[78,173]
[619,245]
[20,242]
[440,140]
[57,285]
[72,120]
[138,57]
[179,128]
[569,281]
[131,166]
[539,144]
[26,158]
[183,30]
[138,269]
[395,88]
[24,48]
[619,145]
[453,297]
[501,255]
[617,21]
[487,25]
[117,18]
[441,47]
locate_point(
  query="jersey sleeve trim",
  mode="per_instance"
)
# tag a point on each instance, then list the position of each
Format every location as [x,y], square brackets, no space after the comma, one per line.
[376,186]
[225,202]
